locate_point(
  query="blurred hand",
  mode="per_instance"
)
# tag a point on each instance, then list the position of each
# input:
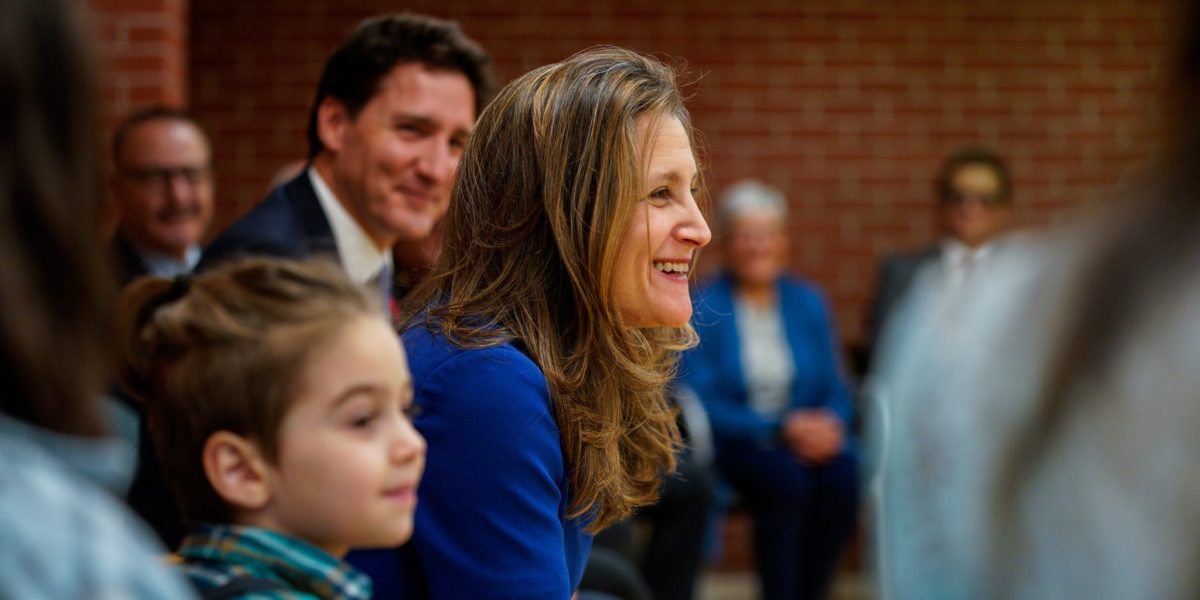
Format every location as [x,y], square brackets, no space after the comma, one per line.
[814,435]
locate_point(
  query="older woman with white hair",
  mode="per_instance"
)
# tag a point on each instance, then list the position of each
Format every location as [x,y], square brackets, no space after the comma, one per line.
[768,372]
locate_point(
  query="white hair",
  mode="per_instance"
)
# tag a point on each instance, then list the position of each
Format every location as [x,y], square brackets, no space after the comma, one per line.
[751,196]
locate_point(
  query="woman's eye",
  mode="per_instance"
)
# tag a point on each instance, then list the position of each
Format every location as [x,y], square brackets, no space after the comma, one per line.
[660,194]
[412,411]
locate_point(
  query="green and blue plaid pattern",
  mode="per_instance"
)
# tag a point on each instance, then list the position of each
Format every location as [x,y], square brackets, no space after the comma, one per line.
[215,554]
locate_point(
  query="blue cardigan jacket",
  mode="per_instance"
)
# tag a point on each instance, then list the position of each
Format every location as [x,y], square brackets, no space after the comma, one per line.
[714,368]
[491,514]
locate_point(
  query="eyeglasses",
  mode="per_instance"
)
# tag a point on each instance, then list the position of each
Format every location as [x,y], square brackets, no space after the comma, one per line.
[987,200]
[162,177]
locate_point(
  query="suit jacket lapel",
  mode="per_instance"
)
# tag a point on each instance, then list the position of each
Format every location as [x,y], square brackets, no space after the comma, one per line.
[318,233]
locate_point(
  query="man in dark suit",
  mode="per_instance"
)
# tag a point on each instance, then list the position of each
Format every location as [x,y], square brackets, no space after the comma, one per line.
[393,111]
[974,194]
[162,193]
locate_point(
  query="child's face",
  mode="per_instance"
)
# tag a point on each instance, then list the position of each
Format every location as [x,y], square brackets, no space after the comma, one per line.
[349,458]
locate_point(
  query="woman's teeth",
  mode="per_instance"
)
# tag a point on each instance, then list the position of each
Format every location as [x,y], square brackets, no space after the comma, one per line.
[669,267]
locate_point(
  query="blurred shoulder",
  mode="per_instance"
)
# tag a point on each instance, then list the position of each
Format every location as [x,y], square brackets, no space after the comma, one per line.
[66,537]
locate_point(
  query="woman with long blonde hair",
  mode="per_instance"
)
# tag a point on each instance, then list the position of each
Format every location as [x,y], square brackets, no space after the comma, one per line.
[542,341]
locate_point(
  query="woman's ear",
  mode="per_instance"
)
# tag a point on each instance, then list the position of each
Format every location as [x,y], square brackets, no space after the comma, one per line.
[237,470]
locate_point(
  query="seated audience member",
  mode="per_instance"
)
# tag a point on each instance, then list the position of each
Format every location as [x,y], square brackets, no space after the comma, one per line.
[162,192]
[974,207]
[64,534]
[277,395]
[1044,444]
[768,373]
[543,340]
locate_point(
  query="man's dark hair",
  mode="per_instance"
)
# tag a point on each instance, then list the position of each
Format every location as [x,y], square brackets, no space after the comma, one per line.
[379,44]
[145,115]
[972,155]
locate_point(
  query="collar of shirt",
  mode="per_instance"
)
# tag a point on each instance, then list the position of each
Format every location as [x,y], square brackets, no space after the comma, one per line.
[955,254]
[360,257]
[214,554]
[161,265]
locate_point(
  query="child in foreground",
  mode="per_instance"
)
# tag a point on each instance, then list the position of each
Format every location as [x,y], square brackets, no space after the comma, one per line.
[276,393]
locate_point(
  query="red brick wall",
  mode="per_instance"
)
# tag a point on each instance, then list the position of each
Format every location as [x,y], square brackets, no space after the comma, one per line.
[847,106]
[142,46]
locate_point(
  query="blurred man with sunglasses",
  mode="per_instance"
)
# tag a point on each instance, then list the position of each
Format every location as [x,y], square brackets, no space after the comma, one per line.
[974,194]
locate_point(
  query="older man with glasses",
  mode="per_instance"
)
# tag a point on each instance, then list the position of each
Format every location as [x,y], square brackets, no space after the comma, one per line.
[162,193]
[162,196]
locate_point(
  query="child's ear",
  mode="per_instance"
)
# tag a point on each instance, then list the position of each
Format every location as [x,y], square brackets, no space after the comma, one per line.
[237,470]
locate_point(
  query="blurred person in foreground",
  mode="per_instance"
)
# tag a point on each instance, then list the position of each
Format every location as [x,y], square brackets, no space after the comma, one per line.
[974,208]
[768,373]
[1044,446]
[64,535]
